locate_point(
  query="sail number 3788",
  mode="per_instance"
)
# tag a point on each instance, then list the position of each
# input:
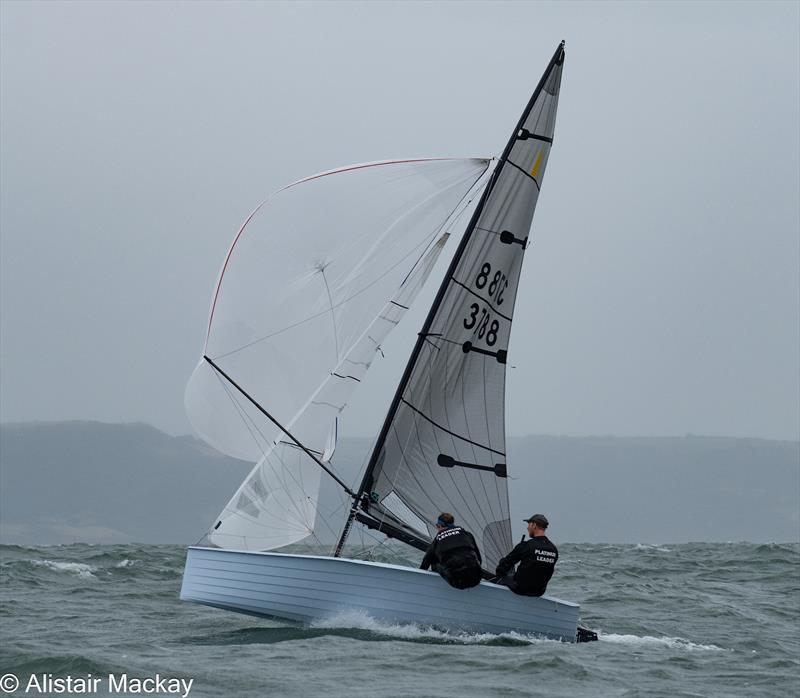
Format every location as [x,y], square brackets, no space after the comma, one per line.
[480,318]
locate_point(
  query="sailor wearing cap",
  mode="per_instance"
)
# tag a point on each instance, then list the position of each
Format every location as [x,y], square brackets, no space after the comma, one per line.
[537,558]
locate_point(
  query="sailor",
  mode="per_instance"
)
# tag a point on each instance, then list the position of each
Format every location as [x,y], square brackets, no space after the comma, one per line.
[454,554]
[537,558]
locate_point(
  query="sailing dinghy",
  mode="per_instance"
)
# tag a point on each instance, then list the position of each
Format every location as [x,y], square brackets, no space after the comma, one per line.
[313,283]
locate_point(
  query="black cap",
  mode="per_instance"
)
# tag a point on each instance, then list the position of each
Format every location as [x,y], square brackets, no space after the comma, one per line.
[539,519]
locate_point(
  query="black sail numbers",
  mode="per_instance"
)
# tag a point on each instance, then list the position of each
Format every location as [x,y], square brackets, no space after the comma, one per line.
[484,315]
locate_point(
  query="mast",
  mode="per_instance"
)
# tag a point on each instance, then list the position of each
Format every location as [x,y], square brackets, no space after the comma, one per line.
[360,500]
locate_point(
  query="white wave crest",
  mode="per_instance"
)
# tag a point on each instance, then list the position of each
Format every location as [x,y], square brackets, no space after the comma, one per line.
[656,547]
[124,563]
[78,568]
[360,620]
[649,641]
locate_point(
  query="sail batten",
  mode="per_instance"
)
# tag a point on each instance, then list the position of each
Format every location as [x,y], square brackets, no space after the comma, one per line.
[449,406]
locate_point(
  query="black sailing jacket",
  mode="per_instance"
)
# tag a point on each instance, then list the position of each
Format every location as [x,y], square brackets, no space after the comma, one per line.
[452,552]
[537,558]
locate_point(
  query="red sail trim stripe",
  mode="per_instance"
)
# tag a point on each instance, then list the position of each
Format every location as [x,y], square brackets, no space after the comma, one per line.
[349,168]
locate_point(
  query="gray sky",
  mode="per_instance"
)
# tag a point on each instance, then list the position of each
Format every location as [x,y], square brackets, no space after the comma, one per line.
[662,293]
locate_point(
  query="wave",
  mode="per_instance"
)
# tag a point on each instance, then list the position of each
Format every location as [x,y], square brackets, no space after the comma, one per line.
[362,621]
[79,568]
[678,643]
[57,665]
[654,546]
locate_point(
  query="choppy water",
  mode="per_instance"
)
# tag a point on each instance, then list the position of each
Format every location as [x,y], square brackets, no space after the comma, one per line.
[674,620]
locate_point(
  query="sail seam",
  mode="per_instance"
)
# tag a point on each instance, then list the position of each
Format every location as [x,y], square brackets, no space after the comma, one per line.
[479,296]
[527,174]
[452,433]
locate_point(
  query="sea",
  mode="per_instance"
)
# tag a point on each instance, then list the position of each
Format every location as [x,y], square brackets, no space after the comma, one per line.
[696,619]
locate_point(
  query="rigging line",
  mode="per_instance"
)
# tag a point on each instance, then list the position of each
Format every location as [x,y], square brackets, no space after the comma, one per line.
[302,525]
[280,519]
[255,472]
[263,465]
[439,426]
[296,475]
[281,427]
[331,546]
[258,466]
[244,416]
[527,174]
[378,543]
[452,215]
[296,511]
[333,315]
[291,445]
[249,520]
[477,295]
[309,526]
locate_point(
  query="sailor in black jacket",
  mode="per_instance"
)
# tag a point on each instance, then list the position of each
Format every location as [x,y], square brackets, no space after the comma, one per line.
[454,554]
[537,558]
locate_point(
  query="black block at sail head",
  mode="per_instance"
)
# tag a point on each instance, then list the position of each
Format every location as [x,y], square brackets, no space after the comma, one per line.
[442,445]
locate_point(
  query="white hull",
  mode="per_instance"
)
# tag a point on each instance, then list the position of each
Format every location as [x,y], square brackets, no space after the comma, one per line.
[304,588]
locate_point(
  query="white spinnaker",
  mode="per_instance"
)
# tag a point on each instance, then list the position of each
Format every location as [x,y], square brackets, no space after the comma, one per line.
[277,503]
[306,274]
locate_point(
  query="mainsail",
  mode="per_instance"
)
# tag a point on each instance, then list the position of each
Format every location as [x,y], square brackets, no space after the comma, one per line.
[316,278]
[442,445]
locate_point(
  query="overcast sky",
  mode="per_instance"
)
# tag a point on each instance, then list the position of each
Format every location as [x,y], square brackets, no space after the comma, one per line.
[661,295]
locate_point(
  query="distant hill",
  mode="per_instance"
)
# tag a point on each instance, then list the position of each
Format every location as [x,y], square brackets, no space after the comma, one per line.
[86,481]
[103,483]
[647,490]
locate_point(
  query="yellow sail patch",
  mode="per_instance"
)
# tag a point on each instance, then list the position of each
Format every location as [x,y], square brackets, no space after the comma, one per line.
[537,164]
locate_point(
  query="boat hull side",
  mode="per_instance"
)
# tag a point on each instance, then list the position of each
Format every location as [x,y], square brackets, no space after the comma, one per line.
[304,588]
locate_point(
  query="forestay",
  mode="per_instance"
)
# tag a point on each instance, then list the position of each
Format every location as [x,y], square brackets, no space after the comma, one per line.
[443,445]
[315,279]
